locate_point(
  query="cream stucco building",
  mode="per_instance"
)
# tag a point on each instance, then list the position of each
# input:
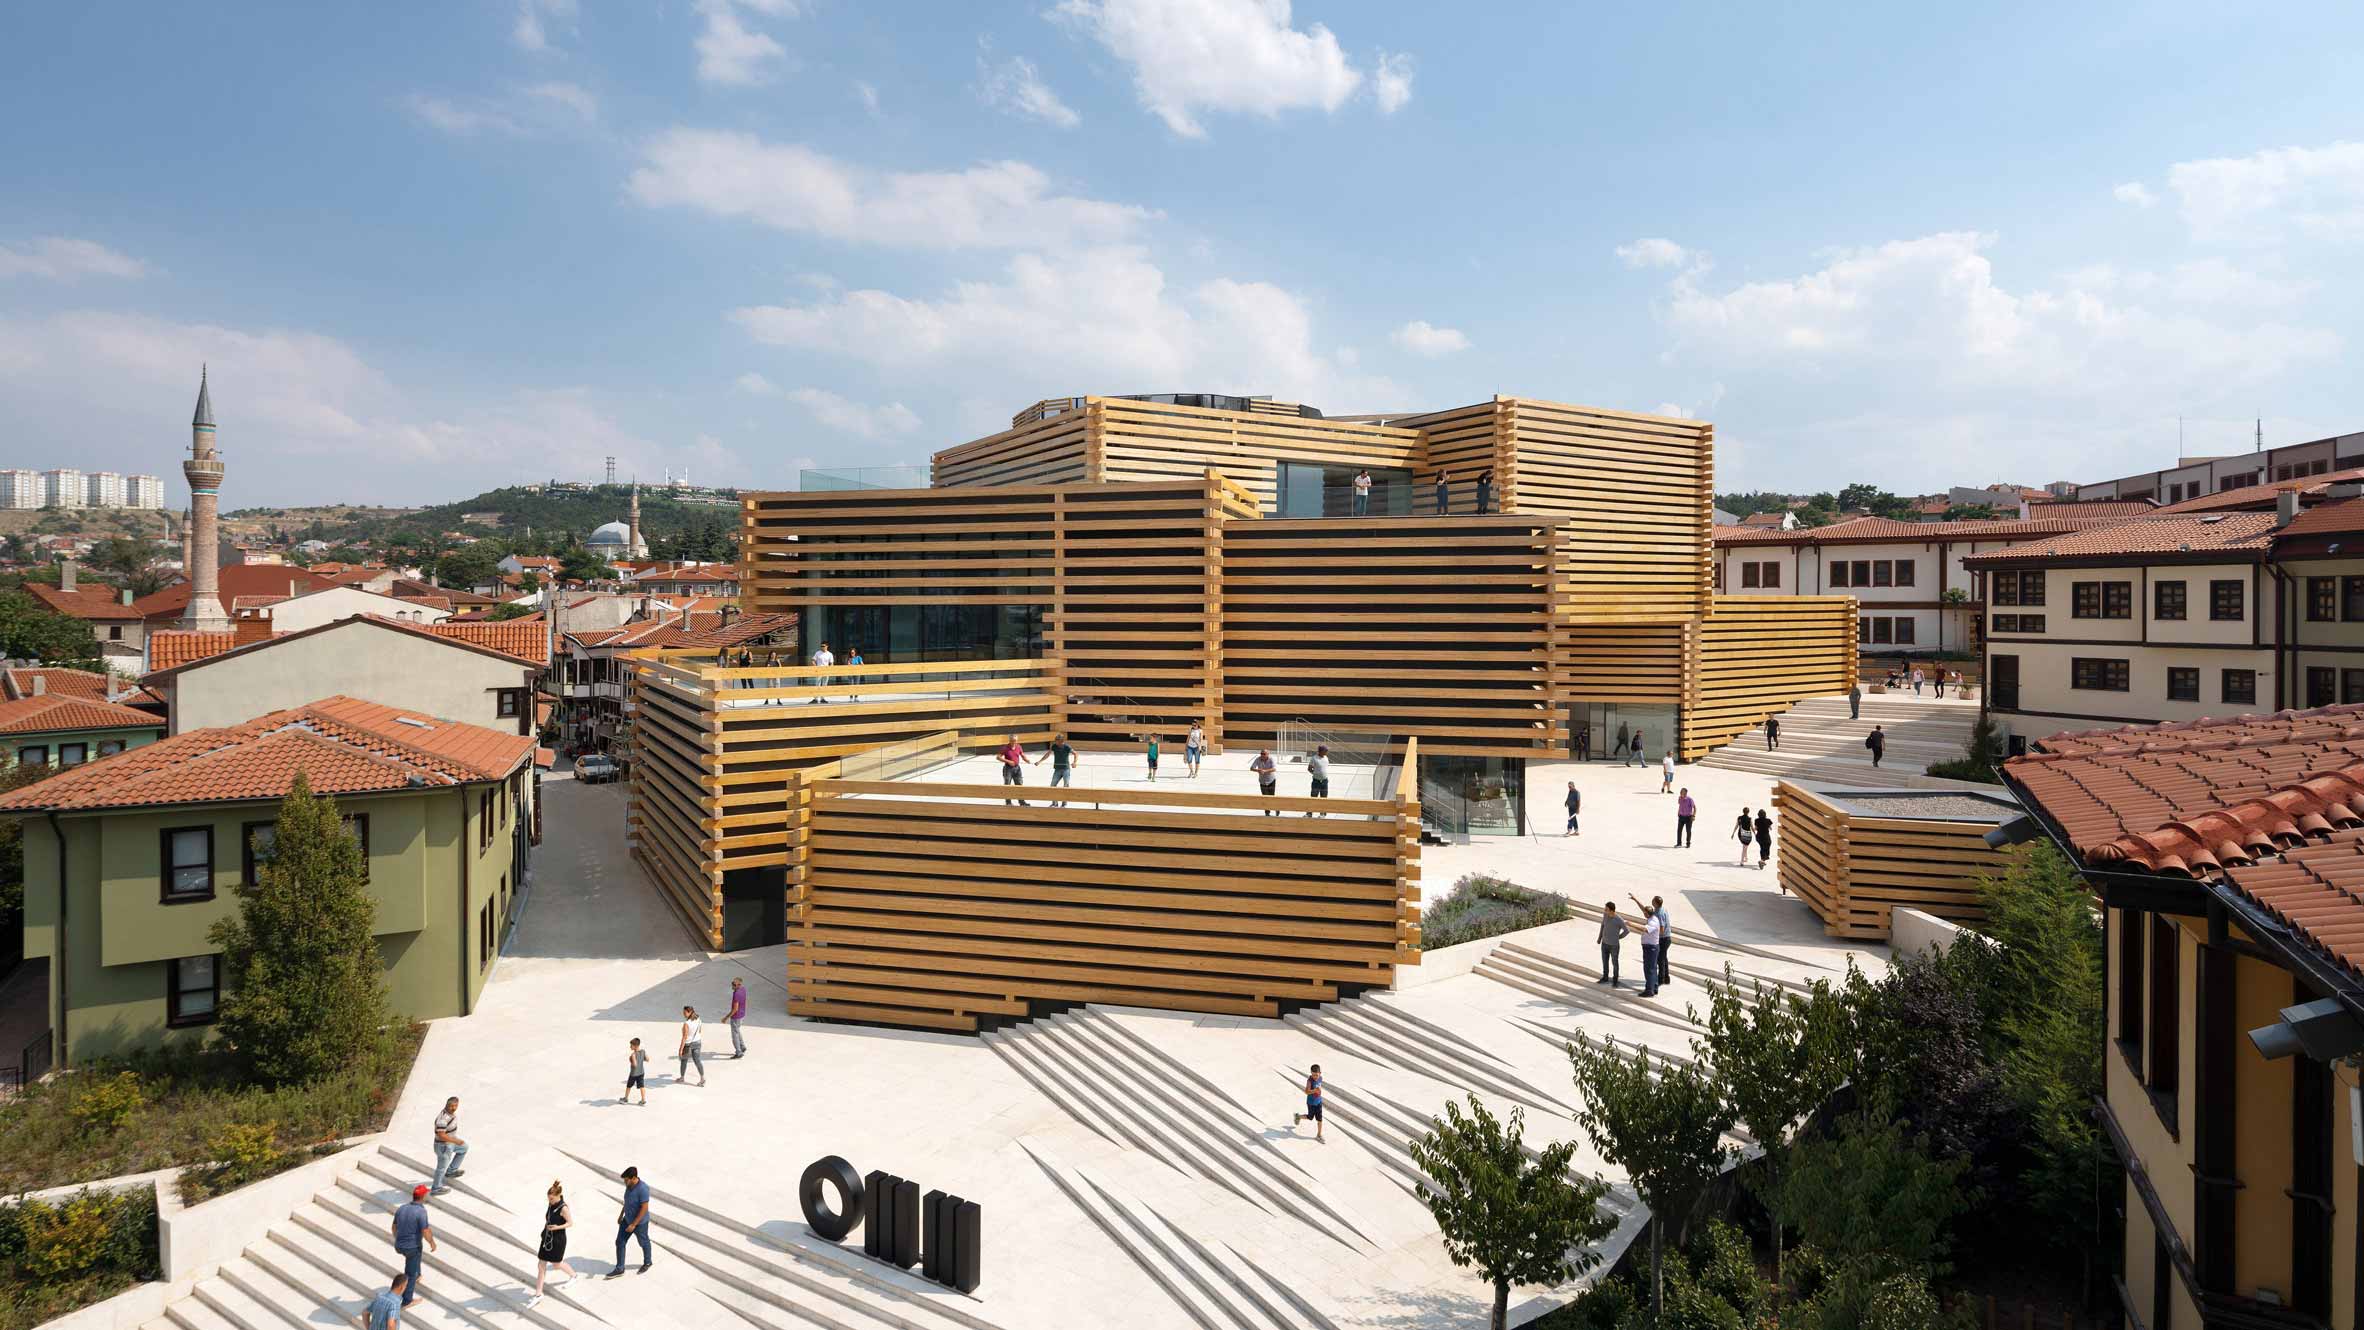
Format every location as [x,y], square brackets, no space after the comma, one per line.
[375,659]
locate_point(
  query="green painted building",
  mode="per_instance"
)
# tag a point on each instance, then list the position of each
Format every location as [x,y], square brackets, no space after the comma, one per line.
[62,730]
[130,860]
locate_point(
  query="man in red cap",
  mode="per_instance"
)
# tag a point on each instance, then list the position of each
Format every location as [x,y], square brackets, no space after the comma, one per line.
[410,1230]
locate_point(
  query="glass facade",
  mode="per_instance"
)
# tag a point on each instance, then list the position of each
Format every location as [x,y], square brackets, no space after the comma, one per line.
[1322,489]
[1474,796]
[904,633]
[1605,731]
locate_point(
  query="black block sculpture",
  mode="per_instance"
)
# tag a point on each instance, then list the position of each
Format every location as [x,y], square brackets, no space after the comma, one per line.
[906,1225]
[852,1197]
[968,1245]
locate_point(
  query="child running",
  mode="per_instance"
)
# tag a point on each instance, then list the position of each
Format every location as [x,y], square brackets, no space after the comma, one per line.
[1313,1104]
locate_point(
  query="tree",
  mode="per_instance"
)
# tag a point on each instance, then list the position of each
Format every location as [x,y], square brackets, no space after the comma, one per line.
[30,630]
[1660,1120]
[1519,1219]
[133,563]
[1780,1057]
[1986,752]
[303,986]
[1971,512]
[581,565]
[468,566]
[1871,1200]
[512,610]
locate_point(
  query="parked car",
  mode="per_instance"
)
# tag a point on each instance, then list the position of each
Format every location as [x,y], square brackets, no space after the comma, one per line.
[596,767]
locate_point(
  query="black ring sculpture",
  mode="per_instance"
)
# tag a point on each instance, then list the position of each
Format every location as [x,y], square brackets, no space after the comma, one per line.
[831,1224]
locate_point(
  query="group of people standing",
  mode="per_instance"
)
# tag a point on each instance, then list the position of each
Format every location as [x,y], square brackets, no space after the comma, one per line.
[1657,944]
[1632,750]
[1062,757]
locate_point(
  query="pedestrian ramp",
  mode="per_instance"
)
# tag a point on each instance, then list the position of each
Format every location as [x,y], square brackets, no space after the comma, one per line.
[321,1266]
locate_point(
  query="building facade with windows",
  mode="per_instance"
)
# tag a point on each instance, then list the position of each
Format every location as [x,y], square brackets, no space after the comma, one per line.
[103,489]
[62,730]
[2196,477]
[130,860]
[2161,619]
[2234,1006]
[382,660]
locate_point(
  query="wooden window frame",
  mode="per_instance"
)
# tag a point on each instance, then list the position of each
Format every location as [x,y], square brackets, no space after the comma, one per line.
[174,1017]
[166,866]
[2228,600]
[2189,677]
[2170,601]
[2162,1062]
[2246,695]
[2100,674]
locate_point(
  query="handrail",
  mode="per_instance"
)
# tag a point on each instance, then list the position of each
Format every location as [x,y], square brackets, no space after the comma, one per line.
[1095,795]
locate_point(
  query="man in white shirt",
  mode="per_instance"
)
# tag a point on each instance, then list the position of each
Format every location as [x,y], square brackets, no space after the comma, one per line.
[823,659]
[1362,493]
[1652,931]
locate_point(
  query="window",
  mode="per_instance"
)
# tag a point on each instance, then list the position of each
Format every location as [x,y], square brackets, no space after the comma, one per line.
[1772,574]
[2322,599]
[2241,686]
[2351,599]
[192,989]
[2183,683]
[2085,600]
[1883,631]
[1904,572]
[188,863]
[2131,980]
[505,704]
[483,819]
[258,842]
[484,936]
[1904,630]
[2031,588]
[2162,1067]
[1862,572]
[2018,623]
[2117,600]
[33,755]
[1882,572]
[2167,600]
[2003,588]
[2322,685]
[110,747]
[72,755]
[1748,574]
[1838,574]
[2351,685]
[2224,599]
[114,632]
[2098,675]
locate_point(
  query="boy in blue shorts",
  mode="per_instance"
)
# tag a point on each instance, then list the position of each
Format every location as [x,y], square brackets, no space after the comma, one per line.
[1313,1103]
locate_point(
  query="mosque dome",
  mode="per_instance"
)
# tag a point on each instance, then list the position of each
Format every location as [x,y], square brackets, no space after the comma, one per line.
[614,533]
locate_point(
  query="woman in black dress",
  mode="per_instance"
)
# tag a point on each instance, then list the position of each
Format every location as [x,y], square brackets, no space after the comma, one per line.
[555,1222]
[1765,839]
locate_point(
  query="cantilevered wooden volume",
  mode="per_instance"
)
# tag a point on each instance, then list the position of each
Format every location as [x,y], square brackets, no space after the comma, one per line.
[1856,856]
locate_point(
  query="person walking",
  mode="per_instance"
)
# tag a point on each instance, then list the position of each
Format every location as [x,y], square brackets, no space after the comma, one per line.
[1745,831]
[1939,679]
[1637,755]
[1855,702]
[1267,777]
[1317,772]
[632,1222]
[1624,746]
[1686,811]
[1877,742]
[411,1229]
[556,1220]
[1194,748]
[1652,931]
[1772,733]
[693,1046]
[1153,757]
[635,1075]
[1362,492]
[1313,1103]
[1666,772]
[384,1311]
[1613,931]
[736,1014]
[1444,491]
[1584,743]
[1575,806]
[1061,756]
[1013,768]
[1485,491]
[450,1150]
[1916,681]
[1765,838]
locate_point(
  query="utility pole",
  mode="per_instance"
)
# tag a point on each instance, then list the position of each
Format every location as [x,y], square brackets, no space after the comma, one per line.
[2261,434]
[611,470]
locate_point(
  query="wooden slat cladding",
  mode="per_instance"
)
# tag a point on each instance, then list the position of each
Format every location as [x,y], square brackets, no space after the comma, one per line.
[1136,615]
[1620,663]
[1636,492]
[1760,655]
[1461,443]
[1041,451]
[1142,441]
[1855,869]
[876,548]
[939,906]
[1438,627]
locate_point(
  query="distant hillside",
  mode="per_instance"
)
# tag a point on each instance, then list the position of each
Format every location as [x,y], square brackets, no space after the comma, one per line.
[510,512]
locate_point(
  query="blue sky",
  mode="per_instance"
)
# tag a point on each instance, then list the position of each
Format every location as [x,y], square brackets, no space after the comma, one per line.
[433,248]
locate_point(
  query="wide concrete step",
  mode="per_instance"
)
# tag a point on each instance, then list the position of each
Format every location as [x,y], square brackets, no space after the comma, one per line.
[1351,1027]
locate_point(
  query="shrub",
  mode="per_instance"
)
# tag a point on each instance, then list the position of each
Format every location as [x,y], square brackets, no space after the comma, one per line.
[1986,752]
[105,1107]
[242,1152]
[1481,905]
[56,1256]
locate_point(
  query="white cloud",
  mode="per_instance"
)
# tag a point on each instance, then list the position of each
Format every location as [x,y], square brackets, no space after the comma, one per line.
[867,94]
[752,382]
[2211,282]
[795,188]
[531,30]
[732,54]
[1654,252]
[1391,82]
[65,258]
[2136,193]
[1013,85]
[571,96]
[1189,56]
[453,118]
[851,417]
[1076,322]
[1424,339]
[2274,194]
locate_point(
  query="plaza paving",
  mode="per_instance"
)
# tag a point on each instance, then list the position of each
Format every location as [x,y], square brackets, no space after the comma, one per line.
[1135,1167]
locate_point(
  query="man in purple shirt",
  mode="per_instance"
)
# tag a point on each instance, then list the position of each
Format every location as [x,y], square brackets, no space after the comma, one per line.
[1685,811]
[738,1014]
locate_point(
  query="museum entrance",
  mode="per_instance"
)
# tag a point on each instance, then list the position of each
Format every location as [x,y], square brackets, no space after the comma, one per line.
[1605,731]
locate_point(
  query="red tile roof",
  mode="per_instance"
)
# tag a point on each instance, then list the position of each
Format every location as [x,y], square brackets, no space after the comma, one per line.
[1889,529]
[84,602]
[171,648]
[2265,495]
[2337,517]
[2241,535]
[37,715]
[342,745]
[704,629]
[238,579]
[57,682]
[2095,509]
[526,639]
[183,648]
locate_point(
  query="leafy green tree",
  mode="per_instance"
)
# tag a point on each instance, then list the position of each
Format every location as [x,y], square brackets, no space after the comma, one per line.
[1660,1120]
[132,563]
[578,564]
[1987,751]
[30,630]
[468,566]
[1969,512]
[510,611]
[1870,1195]
[1780,1057]
[303,985]
[1518,1219]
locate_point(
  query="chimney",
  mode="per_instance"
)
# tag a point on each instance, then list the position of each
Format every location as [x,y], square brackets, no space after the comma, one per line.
[40,685]
[2023,508]
[2285,507]
[252,626]
[65,574]
[125,595]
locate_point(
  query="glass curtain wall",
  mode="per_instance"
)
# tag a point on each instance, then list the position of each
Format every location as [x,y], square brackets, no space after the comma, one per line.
[1322,489]
[904,633]
[1605,731]
[1474,796]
